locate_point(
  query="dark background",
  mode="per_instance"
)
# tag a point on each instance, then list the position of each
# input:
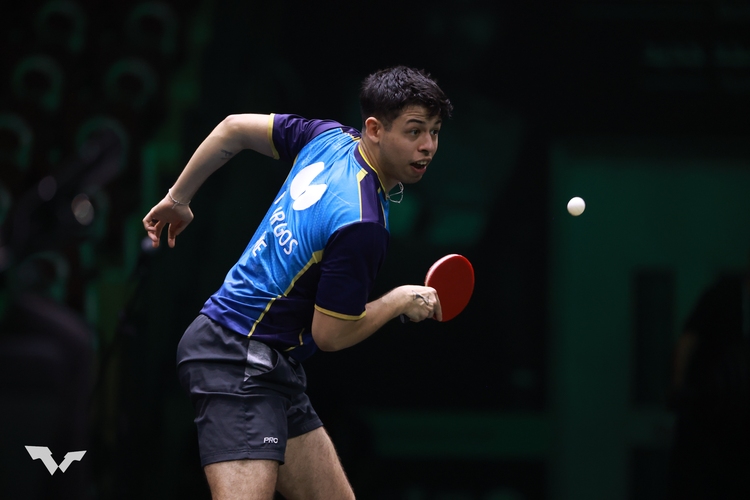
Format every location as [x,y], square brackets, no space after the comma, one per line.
[101,106]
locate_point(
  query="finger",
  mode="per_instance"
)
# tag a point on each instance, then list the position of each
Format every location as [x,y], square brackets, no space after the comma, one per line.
[149,222]
[437,312]
[151,233]
[150,225]
[172,232]
[155,233]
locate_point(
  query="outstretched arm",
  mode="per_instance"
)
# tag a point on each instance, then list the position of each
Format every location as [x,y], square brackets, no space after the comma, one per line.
[417,302]
[234,134]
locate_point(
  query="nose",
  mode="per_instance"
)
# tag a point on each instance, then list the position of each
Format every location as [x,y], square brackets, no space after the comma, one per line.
[429,145]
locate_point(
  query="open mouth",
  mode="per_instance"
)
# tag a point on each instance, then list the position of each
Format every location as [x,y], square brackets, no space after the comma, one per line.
[421,165]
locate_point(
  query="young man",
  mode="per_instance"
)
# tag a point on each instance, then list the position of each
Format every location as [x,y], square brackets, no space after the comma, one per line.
[302,283]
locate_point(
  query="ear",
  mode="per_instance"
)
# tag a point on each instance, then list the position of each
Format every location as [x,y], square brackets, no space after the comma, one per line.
[373,129]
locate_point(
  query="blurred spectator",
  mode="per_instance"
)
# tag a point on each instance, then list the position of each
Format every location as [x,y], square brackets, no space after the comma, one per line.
[46,355]
[711,398]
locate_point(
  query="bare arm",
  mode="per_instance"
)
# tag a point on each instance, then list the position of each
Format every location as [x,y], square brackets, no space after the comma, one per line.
[417,302]
[234,134]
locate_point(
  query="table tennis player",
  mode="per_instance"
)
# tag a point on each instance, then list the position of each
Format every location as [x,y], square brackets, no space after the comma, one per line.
[302,283]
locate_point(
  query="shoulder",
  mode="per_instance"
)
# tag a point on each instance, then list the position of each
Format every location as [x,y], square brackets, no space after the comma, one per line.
[290,133]
[290,125]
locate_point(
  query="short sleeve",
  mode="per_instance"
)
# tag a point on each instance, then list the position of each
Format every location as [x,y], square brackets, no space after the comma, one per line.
[351,261]
[290,133]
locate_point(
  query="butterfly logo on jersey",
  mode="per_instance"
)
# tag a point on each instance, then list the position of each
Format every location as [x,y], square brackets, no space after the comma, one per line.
[304,193]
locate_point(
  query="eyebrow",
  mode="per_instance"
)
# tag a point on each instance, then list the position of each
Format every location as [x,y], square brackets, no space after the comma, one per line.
[422,122]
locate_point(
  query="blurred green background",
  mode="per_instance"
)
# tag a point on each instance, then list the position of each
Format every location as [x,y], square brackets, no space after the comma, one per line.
[553,384]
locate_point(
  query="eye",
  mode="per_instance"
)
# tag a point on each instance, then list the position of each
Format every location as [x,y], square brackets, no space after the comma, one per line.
[435,131]
[414,132]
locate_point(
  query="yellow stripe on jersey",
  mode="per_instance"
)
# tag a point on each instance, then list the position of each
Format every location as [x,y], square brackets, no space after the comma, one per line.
[359,146]
[301,342]
[268,306]
[382,209]
[339,315]
[360,175]
[316,258]
[270,137]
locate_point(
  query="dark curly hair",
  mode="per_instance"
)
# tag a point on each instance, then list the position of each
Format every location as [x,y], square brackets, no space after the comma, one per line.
[385,93]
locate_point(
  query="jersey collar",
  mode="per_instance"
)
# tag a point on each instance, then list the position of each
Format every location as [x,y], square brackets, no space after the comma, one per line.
[365,163]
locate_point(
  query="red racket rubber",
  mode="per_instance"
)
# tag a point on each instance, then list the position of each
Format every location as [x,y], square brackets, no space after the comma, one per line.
[453,279]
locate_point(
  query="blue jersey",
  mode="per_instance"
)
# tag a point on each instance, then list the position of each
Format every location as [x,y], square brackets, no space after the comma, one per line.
[320,245]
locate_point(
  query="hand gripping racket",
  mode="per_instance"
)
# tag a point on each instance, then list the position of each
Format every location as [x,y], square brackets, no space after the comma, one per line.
[452,277]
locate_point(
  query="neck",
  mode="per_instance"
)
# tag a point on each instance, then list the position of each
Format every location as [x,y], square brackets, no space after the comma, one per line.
[371,152]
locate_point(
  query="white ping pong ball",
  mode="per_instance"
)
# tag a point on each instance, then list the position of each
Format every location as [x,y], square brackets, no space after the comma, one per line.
[576,206]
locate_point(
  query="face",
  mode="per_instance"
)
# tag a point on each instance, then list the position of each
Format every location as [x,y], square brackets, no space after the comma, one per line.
[408,147]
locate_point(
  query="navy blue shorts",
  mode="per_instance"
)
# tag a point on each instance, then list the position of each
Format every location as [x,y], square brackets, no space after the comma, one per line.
[248,398]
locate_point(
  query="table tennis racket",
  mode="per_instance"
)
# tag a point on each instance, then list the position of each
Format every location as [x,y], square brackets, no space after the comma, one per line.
[452,277]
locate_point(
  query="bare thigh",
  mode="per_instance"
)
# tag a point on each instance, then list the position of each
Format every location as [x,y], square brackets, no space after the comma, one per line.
[312,470]
[242,479]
